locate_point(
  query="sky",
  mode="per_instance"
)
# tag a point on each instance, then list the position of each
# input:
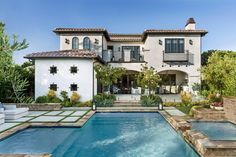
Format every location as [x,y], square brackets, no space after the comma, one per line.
[34,20]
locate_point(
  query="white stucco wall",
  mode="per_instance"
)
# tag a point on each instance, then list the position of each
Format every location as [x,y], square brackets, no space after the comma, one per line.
[94,47]
[154,56]
[83,78]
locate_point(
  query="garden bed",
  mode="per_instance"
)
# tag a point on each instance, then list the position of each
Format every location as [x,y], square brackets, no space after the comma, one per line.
[39,106]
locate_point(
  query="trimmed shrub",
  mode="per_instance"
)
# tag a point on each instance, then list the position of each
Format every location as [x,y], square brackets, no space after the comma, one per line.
[150,100]
[104,100]
[42,99]
[186,97]
[74,98]
[85,104]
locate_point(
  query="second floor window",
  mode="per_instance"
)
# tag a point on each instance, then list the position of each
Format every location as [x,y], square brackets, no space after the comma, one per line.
[174,45]
[75,43]
[53,70]
[86,43]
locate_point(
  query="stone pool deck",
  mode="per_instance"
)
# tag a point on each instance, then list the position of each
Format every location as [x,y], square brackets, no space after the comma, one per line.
[77,117]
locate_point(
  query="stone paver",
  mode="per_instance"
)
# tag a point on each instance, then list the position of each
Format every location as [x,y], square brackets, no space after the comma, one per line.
[6,126]
[79,113]
[175,112]
[53,113]
[70,119]
[23,119]
[66,113]
[36,113]
[47,119]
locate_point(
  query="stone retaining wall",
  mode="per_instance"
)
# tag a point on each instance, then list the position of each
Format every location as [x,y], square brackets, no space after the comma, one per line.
[38,106]
[209,114]
[230,108]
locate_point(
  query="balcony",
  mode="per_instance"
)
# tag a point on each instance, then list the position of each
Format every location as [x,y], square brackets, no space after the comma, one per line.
[125,56]
[185,57]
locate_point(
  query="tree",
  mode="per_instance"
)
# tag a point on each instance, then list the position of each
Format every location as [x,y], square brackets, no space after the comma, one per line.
[108,75]
[220,73]
[148,78]
[12,83]
[205,55]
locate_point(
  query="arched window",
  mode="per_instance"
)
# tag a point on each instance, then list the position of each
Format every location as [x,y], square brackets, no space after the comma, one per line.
[75,43]
[86,43]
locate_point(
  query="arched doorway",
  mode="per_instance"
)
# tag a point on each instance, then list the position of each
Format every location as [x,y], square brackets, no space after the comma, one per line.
[173,81]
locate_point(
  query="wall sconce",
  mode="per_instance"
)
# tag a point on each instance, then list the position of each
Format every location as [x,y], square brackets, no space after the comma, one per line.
[96,41]
[67,41]
[190,42]
[118,48]
[160,42]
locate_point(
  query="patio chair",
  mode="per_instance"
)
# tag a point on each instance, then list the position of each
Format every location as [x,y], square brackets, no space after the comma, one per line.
[11,112]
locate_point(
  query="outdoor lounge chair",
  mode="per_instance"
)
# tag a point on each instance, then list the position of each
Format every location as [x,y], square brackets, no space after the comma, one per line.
[12,113]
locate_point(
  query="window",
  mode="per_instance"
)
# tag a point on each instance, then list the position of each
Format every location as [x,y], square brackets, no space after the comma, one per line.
[73,87]
[86,43]
[175,45]
[134,52]
[53,87]
[75,43]
[73,69]
[53,70]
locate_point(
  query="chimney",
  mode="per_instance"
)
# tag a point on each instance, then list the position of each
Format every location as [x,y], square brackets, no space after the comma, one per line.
[190,25]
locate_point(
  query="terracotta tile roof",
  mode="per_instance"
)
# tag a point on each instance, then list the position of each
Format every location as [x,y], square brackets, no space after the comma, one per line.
[126,37]
[82,30]
[63,54]
[178,31]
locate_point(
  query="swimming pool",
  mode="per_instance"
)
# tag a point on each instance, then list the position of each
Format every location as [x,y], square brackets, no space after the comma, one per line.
[105,134]
[216,130]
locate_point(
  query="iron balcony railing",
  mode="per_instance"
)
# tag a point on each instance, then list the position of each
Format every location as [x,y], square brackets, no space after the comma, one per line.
[178,57]
[121,56]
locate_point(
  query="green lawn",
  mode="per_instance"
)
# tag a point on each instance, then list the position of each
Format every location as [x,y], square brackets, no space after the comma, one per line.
[184,109]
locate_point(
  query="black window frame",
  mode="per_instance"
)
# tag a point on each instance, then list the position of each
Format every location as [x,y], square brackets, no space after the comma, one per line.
[53,87]
[75,43]
[73,87]
[73,69]
[174,45]
[53,69]
[86,42]
[134,53]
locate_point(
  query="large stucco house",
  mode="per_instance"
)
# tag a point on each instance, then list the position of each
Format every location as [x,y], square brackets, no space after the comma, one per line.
[175,54]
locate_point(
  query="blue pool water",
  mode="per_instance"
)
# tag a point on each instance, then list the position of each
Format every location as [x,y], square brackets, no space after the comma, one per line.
[216,130]
[104,135]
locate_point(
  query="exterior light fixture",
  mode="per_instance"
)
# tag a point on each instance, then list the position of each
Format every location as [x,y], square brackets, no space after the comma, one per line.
[160,42]
[67,41]
[191,42]
[94,107]
[160,105]
[96,41]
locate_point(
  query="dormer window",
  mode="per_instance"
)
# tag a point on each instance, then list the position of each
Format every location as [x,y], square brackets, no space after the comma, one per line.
[86,43]
[53,70]
[75,43]
[73,69]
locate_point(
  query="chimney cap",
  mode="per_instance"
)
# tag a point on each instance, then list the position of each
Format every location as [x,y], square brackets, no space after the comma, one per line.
[190,21]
